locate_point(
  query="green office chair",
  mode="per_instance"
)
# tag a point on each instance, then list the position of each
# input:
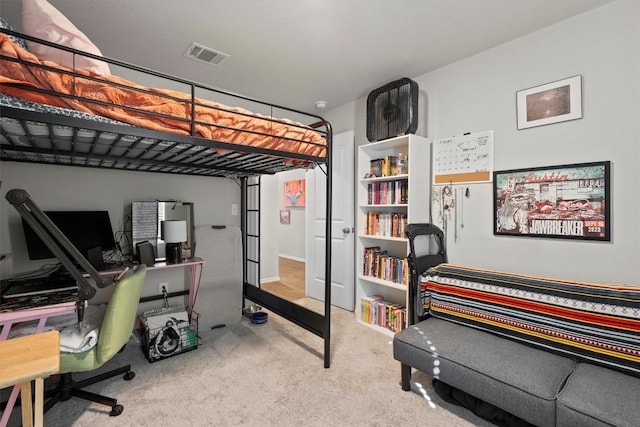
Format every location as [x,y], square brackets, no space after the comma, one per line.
[115,330]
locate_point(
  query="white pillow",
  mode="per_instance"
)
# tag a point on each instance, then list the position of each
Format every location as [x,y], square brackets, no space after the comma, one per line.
[40,19]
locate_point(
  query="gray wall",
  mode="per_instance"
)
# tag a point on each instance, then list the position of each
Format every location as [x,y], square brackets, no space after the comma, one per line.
[478,94]
[74,188]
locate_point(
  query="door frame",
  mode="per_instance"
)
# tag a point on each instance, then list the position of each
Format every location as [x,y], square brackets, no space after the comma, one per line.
[346,142]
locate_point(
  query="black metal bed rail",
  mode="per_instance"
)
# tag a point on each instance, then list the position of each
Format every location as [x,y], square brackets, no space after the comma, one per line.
[146,150]
[192,100]
[193,122]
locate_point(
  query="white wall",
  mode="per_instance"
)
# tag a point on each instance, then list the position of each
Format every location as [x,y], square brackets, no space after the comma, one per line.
[291,237]
[279,239]
[478,94]
[269,228]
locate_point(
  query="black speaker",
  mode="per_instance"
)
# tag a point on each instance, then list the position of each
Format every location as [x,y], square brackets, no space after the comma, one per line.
[392,110]
[94,256]
[146,254]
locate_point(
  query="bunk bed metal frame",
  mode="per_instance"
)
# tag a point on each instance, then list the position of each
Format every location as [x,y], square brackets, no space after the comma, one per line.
[49,138]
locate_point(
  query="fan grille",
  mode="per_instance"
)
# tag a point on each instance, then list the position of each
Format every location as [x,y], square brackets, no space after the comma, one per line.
[392,110]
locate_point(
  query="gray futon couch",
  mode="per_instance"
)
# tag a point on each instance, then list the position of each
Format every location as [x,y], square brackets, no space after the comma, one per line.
[550,352]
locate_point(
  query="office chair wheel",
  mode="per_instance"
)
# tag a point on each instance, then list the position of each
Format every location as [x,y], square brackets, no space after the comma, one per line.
[116,410]
[129,376]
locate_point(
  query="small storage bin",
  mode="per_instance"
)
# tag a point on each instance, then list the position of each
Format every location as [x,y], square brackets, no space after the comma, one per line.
[168,332]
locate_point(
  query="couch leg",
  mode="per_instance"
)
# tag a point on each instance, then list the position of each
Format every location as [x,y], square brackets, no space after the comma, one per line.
[405,372]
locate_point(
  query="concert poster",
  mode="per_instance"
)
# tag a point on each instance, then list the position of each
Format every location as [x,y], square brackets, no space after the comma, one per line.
[567,201]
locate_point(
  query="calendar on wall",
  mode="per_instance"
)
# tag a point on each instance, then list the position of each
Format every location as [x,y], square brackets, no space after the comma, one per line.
[463,159]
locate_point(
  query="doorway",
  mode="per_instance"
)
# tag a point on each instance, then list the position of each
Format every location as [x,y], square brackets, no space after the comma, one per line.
[300,238]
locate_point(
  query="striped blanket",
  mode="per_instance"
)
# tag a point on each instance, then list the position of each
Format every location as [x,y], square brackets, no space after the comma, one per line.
[591,322]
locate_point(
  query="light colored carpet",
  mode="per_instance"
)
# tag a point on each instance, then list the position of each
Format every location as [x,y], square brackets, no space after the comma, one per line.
[267,375]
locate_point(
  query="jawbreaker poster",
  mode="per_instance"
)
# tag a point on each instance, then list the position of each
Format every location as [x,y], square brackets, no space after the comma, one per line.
[570,201]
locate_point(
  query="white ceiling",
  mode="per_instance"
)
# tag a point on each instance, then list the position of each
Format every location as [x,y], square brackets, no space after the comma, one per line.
[296,52]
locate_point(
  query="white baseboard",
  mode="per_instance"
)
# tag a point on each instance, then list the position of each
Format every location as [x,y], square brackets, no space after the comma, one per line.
[295,258]
[270,279]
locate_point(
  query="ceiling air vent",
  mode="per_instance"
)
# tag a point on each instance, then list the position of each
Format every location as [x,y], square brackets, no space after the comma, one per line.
[205,54]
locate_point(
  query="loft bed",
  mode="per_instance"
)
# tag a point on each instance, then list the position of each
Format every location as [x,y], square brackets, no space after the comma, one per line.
[60,115]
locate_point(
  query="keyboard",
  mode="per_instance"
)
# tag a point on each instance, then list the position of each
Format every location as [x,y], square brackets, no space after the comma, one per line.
[8,304]
[38,287]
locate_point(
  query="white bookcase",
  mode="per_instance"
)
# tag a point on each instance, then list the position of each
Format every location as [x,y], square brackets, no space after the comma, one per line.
[407,195]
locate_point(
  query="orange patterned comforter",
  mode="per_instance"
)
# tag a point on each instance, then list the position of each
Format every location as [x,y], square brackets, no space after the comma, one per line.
[213,120]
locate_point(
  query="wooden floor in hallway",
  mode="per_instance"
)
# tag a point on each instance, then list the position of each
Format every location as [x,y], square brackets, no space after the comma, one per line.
[291,283]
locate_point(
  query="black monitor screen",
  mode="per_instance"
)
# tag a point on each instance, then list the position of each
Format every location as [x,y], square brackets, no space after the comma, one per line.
[85,230]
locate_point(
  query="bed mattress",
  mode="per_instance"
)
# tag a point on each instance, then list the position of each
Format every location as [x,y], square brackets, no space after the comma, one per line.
[83,94]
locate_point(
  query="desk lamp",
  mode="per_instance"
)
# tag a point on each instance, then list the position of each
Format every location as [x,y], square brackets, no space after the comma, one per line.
[174,233]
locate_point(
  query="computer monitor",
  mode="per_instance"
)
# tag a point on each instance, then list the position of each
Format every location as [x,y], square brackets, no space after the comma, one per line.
[86,230]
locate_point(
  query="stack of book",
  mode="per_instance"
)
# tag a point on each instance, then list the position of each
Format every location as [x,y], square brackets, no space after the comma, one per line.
[377,311]
[389,166]
[379,264]
[388,192]
[385,224]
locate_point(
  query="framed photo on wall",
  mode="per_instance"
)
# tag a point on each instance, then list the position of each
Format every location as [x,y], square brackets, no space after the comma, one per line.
[285,216]
[567,201]
[550,103]
[294,193]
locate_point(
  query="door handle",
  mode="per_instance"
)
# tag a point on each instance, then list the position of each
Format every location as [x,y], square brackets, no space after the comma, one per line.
[347,230]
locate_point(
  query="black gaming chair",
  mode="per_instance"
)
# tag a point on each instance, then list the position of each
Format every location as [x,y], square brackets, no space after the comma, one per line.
[426,249]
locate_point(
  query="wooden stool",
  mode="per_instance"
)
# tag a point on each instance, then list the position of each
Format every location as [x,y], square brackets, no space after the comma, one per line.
[32,357]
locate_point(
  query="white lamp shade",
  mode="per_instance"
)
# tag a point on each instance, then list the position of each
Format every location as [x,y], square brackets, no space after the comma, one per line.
[174,231]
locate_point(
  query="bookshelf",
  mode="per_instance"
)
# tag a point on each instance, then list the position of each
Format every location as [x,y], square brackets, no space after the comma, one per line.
[390,194]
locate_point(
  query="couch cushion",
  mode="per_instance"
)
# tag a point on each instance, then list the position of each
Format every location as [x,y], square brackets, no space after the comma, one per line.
[515,377]
[597,323]
[596,396]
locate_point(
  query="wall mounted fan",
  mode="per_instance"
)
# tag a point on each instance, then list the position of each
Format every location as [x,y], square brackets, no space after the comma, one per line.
[392,110]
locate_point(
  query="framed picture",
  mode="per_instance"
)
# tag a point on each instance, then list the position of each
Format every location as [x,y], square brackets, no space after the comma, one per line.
[294,193]
[550,103]
[568,201]
[285,216]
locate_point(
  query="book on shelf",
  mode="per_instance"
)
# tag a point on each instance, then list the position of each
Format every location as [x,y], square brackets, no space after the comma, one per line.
[385,224]
[379,264]
[389,166]
[376,311]
[375,167]
[387,192]
[402,164]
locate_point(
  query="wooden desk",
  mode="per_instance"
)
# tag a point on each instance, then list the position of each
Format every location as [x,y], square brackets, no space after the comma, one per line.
[195,269]
[32,357]
[9,318]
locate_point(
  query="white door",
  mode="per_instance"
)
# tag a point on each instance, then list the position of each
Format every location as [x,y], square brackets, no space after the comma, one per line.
[342,223]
